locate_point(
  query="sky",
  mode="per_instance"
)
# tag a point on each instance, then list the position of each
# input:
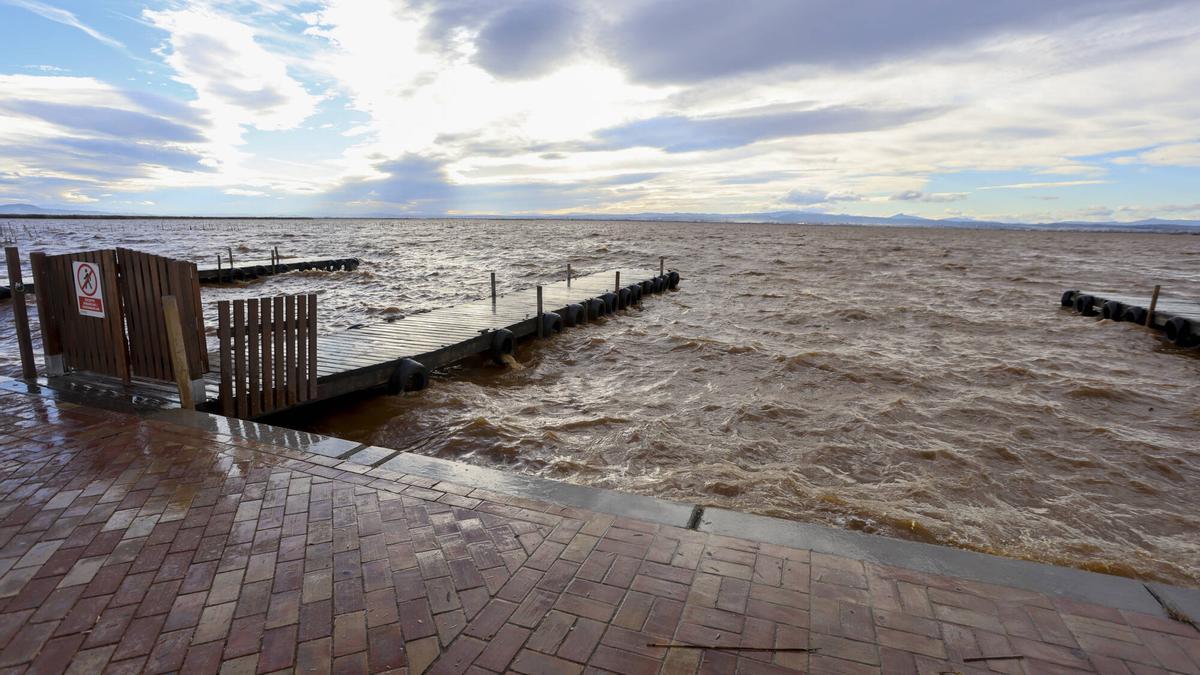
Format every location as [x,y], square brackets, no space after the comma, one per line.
[1022,110]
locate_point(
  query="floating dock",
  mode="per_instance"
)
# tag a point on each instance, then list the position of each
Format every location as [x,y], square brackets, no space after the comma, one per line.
[1178,319]
[400,354]
[253,269]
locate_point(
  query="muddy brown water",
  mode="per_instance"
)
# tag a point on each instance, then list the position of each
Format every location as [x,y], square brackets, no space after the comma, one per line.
[919,383]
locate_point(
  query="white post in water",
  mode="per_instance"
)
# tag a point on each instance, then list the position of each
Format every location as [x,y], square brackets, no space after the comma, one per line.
[493,289]
[540,320]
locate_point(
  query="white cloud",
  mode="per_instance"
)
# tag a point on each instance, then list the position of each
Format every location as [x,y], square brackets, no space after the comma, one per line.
[64,17]
[237,81]
[1182,154]
[1047,184]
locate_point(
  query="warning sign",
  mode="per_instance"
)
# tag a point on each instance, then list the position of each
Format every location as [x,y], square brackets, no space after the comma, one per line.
[87,289]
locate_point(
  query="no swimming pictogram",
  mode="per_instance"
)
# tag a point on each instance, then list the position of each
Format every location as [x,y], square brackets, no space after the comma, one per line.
[87,289]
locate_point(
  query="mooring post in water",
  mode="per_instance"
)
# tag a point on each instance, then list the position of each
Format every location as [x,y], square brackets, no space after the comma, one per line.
[540,319]
[229,250]
[493,289]
[568,275]
[20,312]
[662,265]
[617,289]
[1153,304]
[218,268]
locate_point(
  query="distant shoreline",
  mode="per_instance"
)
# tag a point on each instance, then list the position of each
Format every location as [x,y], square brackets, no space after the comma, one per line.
[1118,228]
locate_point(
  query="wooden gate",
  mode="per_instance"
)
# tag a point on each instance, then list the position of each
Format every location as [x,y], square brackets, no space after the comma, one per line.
[75,338]
[268,353]
[144,279]
[120,330]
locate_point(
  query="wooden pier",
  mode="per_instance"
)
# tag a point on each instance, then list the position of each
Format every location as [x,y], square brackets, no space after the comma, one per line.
[252,269]
[131,324]
[1178,319]
[399,354]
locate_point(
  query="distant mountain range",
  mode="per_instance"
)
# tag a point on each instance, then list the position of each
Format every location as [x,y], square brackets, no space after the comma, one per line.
[789,217]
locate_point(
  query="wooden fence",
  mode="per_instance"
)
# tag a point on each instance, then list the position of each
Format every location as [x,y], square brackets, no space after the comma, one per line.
[268,351]
[71,338]
[144,280]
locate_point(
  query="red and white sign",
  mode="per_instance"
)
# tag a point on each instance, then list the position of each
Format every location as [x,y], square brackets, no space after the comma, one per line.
[87,289]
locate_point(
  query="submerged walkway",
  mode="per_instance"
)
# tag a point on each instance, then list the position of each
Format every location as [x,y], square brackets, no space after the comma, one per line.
[136,545]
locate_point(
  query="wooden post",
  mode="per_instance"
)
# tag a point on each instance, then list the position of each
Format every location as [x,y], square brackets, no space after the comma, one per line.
[20,312]
[661,265]
[218,268]
[223,334]
[52,345]
[617,289]
[1153,304]
[540,319]
[179,359]
[229,250]
[568,275]
[493,288]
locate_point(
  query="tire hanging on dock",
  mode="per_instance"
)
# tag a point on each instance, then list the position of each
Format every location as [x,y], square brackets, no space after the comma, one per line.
[597,307]
[610,302]
[1135,315]
[551,323]
[409,375]
[502,345]
[1182,332]
[672,280]
[1085,305]
[573,315]
[1113,311]
[1068,298]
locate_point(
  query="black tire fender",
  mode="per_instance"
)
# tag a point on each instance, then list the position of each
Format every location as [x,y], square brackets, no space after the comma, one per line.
[409,375]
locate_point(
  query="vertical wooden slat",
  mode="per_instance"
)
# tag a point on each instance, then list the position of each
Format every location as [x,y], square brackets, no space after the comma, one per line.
[252,366]
[223,337]
[47,309]
[301,349]
[198,317]
[158,283]
[239,357]
[289,346]
[278,353]
[268,382]
[114,349]
[312,346]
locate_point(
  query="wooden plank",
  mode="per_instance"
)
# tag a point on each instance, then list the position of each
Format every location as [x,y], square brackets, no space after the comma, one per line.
[289,346]
[312,345]
[49,318]
[277,355]
[239,358]
[252,342]
[301,349]
[268,386]
[223,336]
[179,362]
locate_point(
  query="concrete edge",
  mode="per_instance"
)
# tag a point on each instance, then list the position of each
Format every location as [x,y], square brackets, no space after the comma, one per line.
[1052,580]
[1055,581]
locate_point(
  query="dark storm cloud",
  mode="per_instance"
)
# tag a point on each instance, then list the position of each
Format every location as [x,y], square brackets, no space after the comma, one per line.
[692,40]
[108,121]
[516,38]
[528,39]
[687,134]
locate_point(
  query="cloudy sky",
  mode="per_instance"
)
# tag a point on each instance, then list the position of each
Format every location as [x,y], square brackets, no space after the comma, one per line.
[1022,109]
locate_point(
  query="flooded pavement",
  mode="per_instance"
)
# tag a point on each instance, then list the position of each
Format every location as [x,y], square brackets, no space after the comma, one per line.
[916,383]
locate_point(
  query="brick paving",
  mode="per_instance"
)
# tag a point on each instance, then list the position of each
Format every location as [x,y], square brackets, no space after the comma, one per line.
[129,545]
